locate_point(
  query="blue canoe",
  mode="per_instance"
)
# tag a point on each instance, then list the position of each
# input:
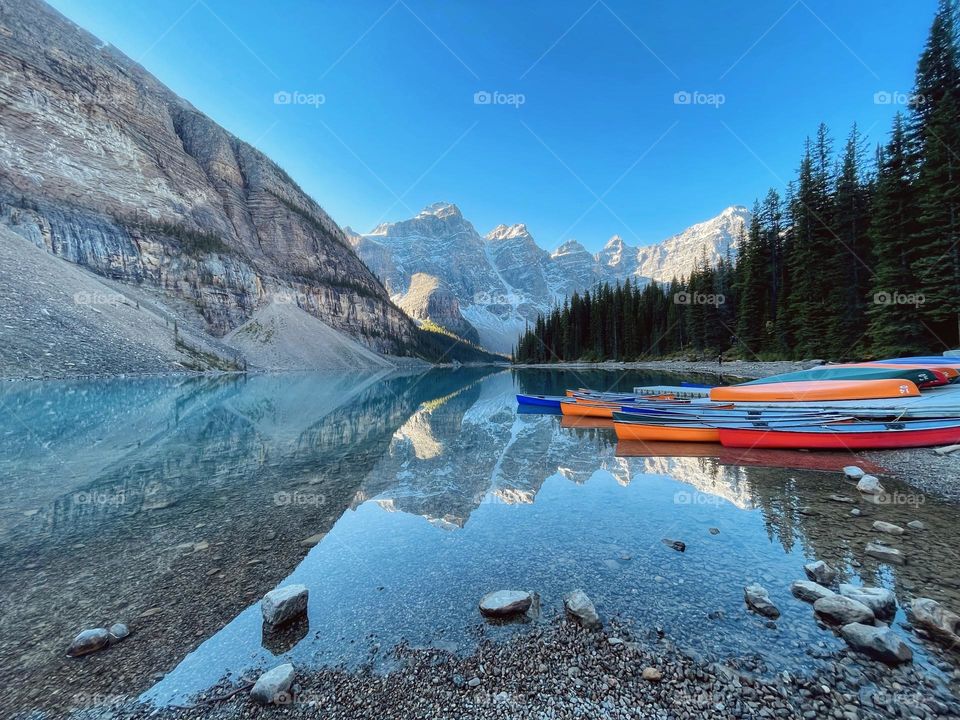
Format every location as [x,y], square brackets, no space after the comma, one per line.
[548,401]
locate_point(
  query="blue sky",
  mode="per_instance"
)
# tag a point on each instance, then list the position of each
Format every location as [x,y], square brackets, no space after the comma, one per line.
[585,138]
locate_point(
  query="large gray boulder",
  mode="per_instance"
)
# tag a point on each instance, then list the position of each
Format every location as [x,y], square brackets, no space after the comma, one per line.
[885,553]
[758,600]
[580,606]
[820,572]
[284,604]
[89,641]
[880,643]
[505,603]
[809,591]
[882,601]
[274,685]
[935,620]
[886,527]
[840,610]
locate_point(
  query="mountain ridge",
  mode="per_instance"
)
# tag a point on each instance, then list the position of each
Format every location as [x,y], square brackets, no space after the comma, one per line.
[502,280]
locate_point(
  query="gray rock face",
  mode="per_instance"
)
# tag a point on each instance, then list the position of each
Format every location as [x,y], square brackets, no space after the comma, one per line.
[885,553]
[880,643]
[889,528]
[840,610]
[505,603]
[114,172]
[853,472]
[580,606]
[869,485]
[89,641]
[820,572]
[284,604]
[273,685]
[882,601]
[934,619]
[809,591]
[758,600]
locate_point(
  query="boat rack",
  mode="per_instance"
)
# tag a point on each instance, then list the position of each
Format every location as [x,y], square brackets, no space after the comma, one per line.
[675,390]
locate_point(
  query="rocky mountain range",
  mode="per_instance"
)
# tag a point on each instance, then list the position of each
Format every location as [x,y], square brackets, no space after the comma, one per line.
[103,166]
[502,280]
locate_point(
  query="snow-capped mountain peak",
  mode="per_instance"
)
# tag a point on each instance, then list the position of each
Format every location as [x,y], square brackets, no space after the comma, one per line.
[503,280]
[441,210]
[569,247]
[509,232]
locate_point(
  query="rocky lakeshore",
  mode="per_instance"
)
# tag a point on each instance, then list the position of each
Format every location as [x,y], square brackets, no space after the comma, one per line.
[562,670]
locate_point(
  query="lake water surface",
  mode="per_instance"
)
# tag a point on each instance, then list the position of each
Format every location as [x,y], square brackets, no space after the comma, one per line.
[175,504]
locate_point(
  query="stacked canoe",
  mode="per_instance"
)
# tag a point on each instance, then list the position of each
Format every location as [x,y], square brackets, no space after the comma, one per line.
[747,415]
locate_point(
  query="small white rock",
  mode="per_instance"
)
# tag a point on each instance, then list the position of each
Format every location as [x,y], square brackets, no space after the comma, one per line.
[870,485]
[853,472]
[273,685]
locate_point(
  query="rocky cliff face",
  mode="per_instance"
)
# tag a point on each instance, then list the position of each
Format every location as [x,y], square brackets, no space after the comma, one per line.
[102,165]
[428,298]
[503,280]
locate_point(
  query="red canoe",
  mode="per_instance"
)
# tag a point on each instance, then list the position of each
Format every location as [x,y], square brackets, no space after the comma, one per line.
[847,436]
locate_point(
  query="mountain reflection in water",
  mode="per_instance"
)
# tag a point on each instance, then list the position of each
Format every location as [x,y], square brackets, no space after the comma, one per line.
[399,501]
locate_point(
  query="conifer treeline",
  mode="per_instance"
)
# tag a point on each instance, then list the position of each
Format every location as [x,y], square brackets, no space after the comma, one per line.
[860,258]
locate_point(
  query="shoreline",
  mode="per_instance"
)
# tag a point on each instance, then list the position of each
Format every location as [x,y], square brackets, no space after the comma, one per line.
[559,669]
[745,369]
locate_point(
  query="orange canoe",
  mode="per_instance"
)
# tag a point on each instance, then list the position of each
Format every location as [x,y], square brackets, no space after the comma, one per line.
[581,408]
[666,433]
[817,390]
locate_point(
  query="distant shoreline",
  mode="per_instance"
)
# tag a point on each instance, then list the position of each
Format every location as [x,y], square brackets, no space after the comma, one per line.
[736,368]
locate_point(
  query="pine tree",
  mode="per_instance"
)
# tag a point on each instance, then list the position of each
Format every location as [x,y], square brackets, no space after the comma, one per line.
[935,131]
[894,328]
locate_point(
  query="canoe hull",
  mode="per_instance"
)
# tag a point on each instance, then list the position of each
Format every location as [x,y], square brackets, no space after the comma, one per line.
[798,440]
[539,401]
[817,391]
[665,433]
[919,376]
[583,409]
